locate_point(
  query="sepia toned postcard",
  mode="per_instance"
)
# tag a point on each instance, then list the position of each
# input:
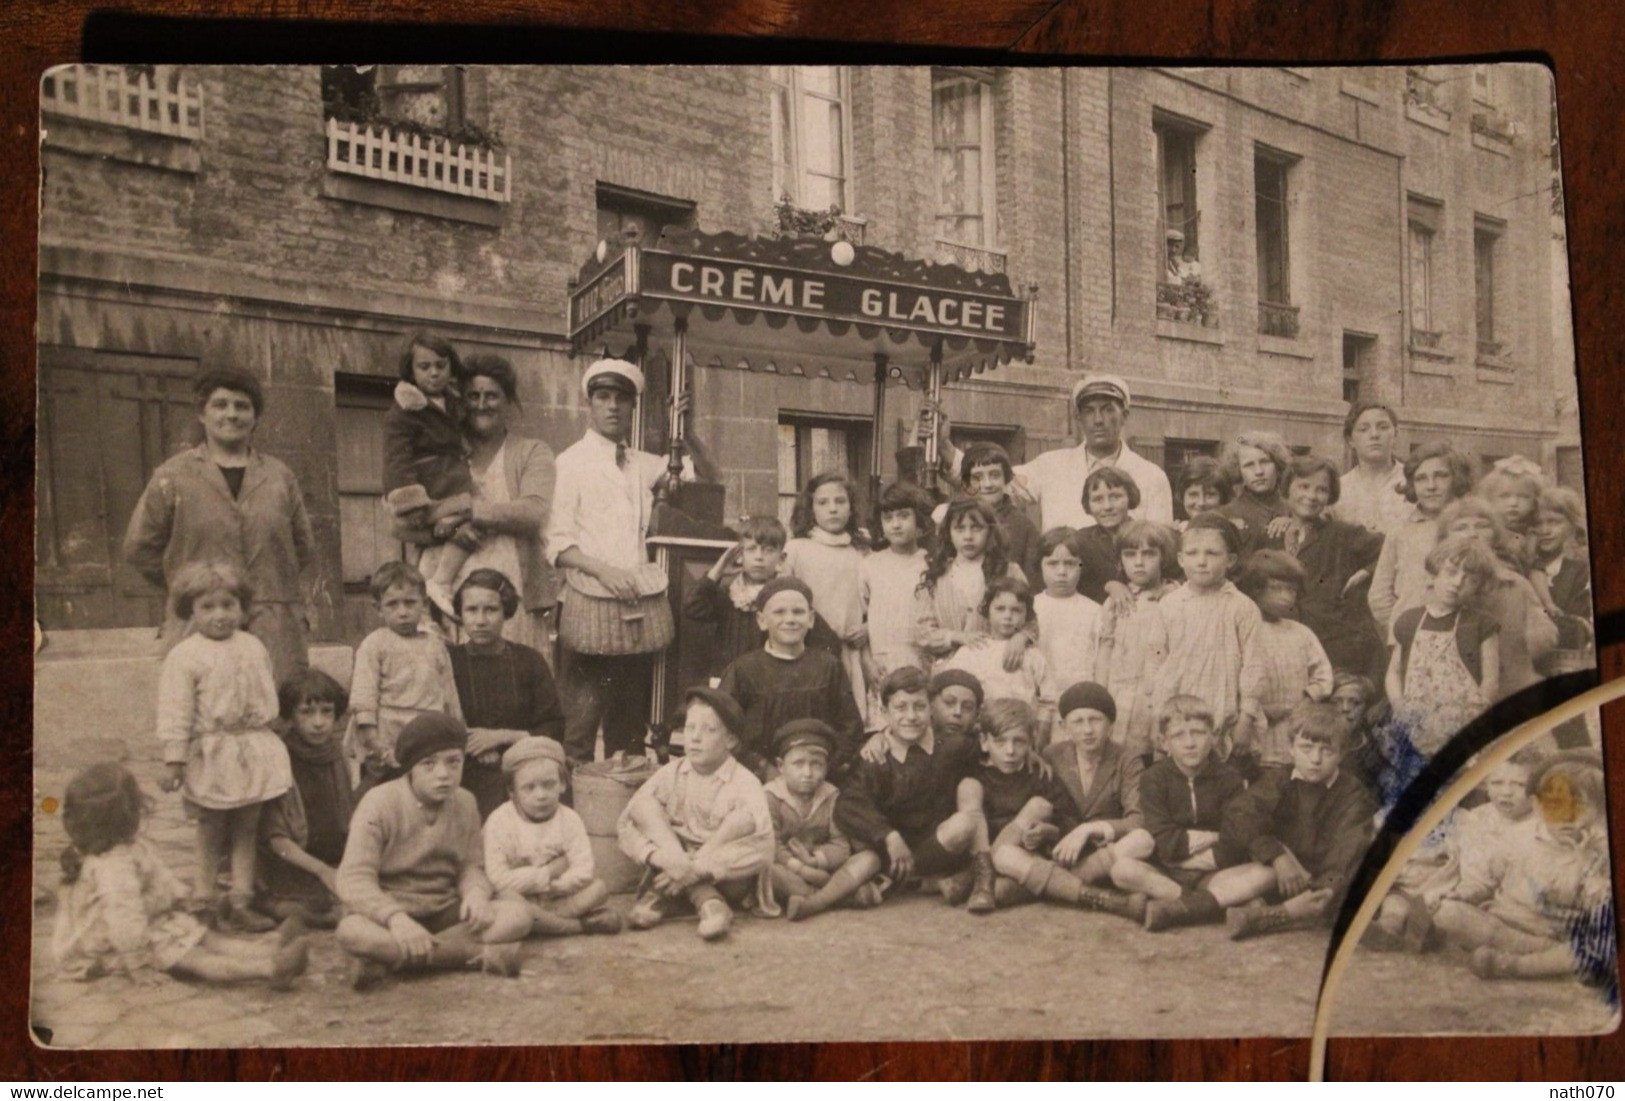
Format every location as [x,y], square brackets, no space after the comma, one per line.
[587,554]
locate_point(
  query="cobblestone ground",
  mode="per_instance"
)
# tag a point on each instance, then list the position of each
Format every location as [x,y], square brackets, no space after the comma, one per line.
[911,970]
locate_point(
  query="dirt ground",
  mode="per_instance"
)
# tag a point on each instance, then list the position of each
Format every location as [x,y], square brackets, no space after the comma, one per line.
[913,969]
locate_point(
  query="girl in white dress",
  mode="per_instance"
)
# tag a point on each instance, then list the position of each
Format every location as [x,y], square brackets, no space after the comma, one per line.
[826,551]
[216,703]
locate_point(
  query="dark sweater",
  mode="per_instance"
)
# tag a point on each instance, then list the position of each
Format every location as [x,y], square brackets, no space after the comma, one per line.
[1004,794]
[509,690]
[1327,828]
[1174,803]
[1020,540]
[910,796]
[1101,562]
[773,690]
[426,447]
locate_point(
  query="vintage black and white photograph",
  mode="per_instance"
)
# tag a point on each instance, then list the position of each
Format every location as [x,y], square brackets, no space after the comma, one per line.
[604,554]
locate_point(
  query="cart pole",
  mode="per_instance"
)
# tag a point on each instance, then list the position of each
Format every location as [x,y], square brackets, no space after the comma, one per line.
[877,437]
[640,357]
[676,429]
[933,394]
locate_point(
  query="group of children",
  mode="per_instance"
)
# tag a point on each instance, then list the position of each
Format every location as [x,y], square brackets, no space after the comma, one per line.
[1151,734]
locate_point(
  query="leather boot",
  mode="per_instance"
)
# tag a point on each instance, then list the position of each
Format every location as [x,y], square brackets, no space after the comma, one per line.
[981,900]
[1131,906]
[1252,921]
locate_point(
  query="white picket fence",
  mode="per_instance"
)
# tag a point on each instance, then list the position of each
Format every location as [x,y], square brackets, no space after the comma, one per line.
[378,153]
[160,101]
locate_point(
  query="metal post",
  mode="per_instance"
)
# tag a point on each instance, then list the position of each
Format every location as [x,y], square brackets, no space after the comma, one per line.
[933,394]
[641,354]
[877,437]
[676,428]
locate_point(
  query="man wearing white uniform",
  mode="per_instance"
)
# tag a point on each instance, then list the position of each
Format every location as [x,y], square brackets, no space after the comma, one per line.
[1055,479]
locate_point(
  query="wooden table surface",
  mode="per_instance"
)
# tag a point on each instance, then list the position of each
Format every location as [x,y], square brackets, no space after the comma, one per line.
[1584,43]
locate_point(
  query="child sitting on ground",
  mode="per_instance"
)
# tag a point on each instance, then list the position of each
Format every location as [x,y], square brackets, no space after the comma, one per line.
[956,701]
[402,671]
[122,911]
[1292,660]
[413,878]
[814,867]
[700,825]
[1068,621]
[1026,812]
[908,805]
[786,680]
[1305,825]
[1467,839]
[1213,635]
[1007,607]
[1355,696]
[1540,906]
[536,849]
[1103,779]
[1173,859]
[726,595]
[302,834]
[1133,635]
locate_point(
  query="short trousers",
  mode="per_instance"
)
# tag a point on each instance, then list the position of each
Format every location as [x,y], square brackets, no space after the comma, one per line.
[930,858]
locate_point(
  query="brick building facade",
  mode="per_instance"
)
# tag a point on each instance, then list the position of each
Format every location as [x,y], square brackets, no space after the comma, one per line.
[217,223]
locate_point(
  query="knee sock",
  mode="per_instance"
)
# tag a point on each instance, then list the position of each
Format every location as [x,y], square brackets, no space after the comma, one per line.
[1046,879]
[843,883]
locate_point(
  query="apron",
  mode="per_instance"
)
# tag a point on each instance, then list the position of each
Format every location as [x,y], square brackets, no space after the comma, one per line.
[1441,695]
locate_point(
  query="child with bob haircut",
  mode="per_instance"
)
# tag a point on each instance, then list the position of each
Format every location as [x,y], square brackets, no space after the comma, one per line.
[700,825]
[827,549]
[908,805]
[1109,495]
[1435,474]
[726,596]
[969,554]
[1175,857]
[888,579]
[302,834]
[1133,641]
[413,877]
[986,474]
[1540,907]
[216,704]
[786,680]
[1202,487]
[814,867]
[426,455]
[536,849]
[1213,648]
[1305,826]
[1007,606]
[1514,495]
[402,671]
[1068,622]
[121,910]
[1295,666]
[1559,554]
[1445,669]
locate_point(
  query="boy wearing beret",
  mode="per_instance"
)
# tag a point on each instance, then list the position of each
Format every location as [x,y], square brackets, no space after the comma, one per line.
[814,867]
[786,680]
[536,849]
[700,825]
[412,880]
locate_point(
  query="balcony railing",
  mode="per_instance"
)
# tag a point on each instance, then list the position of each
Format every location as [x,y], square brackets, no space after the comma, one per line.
[154,98]
[970,257]
[1278,319]
[377,152]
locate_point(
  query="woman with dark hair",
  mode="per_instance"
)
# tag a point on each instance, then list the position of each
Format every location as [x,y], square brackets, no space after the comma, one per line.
[1337,560]
[512,488]
[505,688]
[224,501]
[1373,493]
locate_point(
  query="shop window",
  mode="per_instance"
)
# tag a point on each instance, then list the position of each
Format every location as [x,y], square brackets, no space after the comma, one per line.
[1424,217]
[811,445]
[963,128]
[1277,315]
[1486,252]
[360,402]
[811,142]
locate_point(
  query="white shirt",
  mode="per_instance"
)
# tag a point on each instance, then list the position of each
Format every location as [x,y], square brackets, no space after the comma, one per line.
[603,508]
[1375,503]
[1055,480]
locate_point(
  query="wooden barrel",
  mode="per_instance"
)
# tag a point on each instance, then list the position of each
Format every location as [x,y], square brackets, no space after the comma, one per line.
[601,791]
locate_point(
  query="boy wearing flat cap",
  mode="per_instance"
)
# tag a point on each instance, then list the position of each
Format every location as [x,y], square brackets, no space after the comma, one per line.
[597,526]
[814,867]
[412,880]
[700,825]
[536,849]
